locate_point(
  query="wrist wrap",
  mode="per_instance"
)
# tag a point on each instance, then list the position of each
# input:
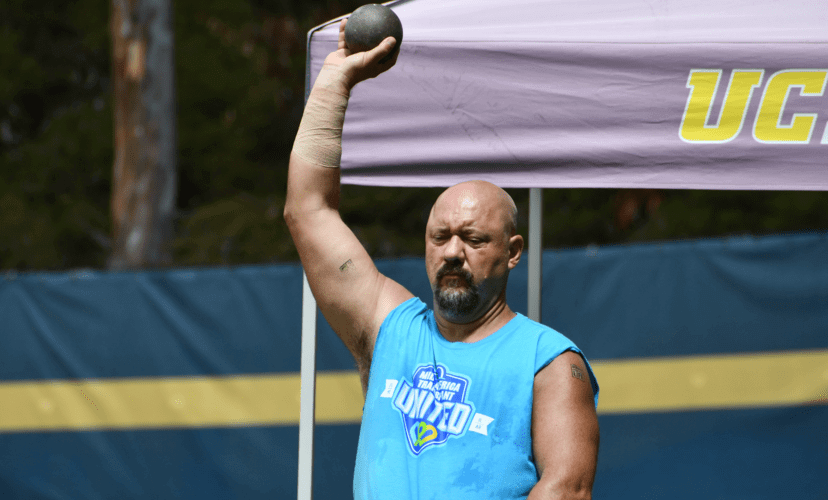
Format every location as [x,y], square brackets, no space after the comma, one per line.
[319,139]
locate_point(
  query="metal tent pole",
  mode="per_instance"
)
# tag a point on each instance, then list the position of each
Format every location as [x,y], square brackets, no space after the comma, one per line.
[307,369]
[535,258]
[308,392]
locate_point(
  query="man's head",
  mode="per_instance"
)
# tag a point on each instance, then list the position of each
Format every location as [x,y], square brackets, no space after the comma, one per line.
[471,245]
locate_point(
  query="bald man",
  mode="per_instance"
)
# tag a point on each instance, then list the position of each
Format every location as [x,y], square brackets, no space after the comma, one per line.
[466,401]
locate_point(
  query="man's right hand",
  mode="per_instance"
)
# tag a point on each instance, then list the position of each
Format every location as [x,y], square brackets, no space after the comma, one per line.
[360,66]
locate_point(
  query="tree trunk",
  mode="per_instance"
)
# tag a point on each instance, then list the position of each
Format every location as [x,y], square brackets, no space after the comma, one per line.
[144,177]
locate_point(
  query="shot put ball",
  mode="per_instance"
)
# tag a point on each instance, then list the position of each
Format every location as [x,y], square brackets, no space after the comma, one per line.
[371,24]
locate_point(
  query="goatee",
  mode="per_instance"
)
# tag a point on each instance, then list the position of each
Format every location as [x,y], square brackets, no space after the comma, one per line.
[453,301]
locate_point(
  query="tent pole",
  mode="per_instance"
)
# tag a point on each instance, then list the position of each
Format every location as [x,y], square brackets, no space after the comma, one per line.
[307,398]
[307,368]
[535,258]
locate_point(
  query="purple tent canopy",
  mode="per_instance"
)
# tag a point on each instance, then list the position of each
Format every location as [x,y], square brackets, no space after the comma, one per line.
[706,94]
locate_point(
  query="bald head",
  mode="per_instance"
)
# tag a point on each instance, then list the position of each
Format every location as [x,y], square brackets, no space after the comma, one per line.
[482,195]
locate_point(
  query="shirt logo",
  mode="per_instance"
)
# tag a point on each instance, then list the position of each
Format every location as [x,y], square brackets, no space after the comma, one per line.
[433,407]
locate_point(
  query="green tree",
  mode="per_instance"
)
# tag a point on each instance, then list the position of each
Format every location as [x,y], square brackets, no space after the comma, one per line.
[240,79]
[55,142]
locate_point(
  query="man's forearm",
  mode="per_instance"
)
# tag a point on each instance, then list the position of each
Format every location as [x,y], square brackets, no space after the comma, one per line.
[319,139]
[318,144]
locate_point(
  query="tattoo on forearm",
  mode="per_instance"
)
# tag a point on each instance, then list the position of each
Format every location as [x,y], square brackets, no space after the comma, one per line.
[348,264]
[577,373]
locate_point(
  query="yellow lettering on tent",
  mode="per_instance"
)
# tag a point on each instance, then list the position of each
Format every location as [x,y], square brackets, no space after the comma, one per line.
[768,127]
[703,84]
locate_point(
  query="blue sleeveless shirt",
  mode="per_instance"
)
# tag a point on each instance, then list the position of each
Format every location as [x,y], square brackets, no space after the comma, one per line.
[451,420]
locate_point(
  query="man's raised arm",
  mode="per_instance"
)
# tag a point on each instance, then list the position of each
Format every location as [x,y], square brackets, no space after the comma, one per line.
[352,294]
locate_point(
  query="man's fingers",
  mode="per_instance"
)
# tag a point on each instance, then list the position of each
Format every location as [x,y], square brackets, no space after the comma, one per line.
[362,65]
[391,62]
[383,49]
[341,44]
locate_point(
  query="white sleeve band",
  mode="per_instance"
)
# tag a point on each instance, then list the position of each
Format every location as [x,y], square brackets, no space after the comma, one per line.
[319,139]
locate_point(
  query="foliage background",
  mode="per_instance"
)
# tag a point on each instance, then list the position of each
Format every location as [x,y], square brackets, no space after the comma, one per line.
[240,84]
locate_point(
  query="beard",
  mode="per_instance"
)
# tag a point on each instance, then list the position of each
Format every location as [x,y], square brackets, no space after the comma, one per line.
[454,301]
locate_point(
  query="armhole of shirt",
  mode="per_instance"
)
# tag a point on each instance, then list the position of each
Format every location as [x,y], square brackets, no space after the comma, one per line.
[406,310]
[561,346]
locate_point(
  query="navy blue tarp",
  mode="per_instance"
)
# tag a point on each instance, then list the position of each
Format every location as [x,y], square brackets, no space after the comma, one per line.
[694,298]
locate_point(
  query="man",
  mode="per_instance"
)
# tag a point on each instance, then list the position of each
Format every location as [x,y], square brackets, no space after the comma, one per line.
[470,401]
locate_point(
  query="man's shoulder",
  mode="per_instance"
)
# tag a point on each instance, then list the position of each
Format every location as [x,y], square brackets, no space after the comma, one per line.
[548,343]
[531,327]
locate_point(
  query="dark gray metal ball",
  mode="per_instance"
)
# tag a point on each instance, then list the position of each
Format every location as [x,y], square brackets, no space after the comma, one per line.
[371,24]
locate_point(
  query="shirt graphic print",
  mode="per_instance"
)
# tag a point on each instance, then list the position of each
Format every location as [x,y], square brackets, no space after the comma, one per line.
[433,407]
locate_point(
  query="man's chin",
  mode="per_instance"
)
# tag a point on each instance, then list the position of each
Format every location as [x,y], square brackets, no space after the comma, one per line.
[457,318]
[454,282]
[453,294]
[454,289]
[457,306]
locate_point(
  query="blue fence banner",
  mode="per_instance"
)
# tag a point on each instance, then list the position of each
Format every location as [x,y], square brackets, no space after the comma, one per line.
[712,357]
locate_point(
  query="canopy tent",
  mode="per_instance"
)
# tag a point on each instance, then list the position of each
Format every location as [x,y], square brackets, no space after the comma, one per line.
[606,93]
[691,94]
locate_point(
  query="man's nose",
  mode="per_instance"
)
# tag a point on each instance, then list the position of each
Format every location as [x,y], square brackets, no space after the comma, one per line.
[454,249]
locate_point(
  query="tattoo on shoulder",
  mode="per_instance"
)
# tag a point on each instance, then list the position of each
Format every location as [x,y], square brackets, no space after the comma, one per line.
[347,265]
[577,373]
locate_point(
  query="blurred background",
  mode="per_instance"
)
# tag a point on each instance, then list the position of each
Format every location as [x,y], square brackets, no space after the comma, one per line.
[239,77]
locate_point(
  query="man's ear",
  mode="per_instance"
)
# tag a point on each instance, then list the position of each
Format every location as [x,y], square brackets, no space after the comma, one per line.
[515,250]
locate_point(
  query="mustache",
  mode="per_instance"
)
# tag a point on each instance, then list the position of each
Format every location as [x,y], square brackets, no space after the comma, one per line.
[456,270]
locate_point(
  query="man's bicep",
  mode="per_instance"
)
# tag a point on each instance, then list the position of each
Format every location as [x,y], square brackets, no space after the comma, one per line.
[564,428]
[348,288]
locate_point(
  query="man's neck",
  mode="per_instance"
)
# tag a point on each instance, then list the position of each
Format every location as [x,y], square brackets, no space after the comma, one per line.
[489,322]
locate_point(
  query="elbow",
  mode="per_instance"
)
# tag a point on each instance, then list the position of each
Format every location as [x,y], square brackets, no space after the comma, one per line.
[293,218]
[290,215]
[579,494]
[569,494]
[295,206]
[576,490]
[299,218]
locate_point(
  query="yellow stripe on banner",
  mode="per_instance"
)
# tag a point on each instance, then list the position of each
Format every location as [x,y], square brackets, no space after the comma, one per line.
[149,403]
[713,382]
[153,403]
[630,386]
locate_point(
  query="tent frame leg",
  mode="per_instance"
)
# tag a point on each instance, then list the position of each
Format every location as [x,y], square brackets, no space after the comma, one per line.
[535,256]
[307,400]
